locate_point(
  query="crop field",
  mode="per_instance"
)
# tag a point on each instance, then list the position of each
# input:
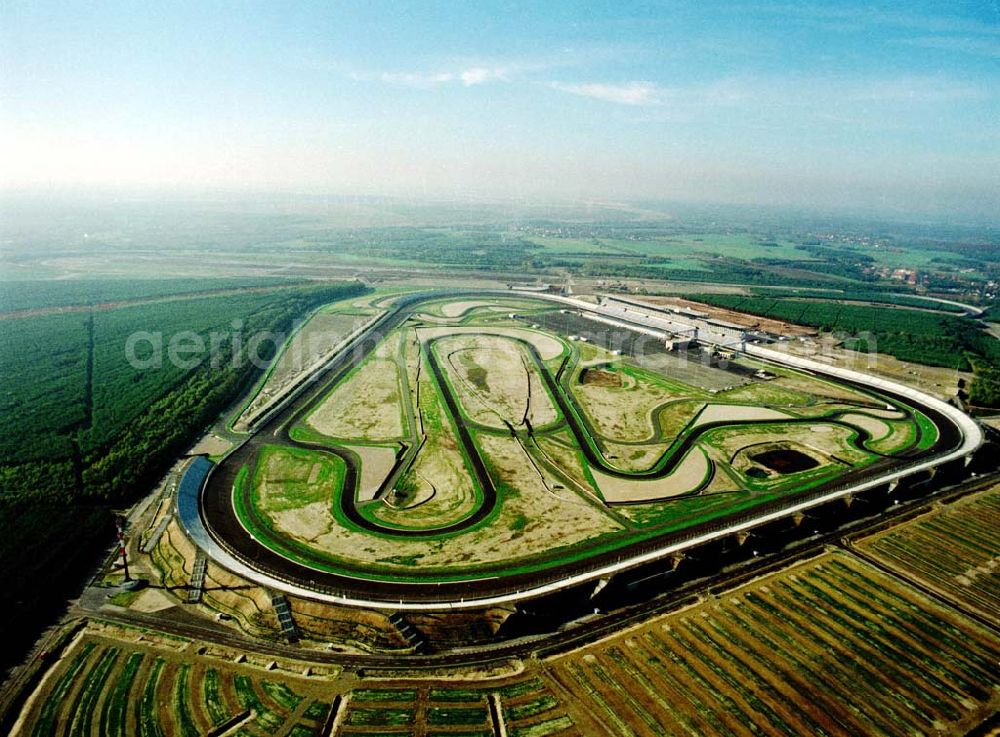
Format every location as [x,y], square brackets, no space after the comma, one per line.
[954,550]
[828,647]
[527,707]
[105,687]
[490,439]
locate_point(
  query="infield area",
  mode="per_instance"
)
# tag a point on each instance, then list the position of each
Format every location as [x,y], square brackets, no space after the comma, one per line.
[479,443]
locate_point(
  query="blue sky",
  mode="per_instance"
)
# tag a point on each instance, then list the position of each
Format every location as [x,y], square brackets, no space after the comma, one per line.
[878,105]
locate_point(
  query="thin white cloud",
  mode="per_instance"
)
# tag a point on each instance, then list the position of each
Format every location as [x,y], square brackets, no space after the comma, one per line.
[413,79]
[629,93]
[481,75]
[467,77]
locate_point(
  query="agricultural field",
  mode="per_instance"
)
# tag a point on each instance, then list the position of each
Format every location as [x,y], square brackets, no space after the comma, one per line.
[827,647]
[953,549]
[497,440]
[525,707]
[105,686]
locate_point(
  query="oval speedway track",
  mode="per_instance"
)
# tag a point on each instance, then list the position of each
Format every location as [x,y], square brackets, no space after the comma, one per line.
[219,517]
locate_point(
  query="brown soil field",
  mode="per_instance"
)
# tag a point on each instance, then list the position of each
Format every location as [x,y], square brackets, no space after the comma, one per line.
[828,646]
[954,549]
[600,377]
[737,318]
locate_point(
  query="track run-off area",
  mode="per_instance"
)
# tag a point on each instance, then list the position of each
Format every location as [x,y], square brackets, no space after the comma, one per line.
[471,449]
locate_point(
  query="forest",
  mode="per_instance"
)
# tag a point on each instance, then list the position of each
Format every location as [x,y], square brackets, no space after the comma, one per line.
[33,294]
[83,432]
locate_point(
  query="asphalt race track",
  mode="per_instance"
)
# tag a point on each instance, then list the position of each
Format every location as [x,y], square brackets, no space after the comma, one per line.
[219,518]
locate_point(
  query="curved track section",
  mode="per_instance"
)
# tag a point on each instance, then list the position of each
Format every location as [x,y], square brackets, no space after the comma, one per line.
[206,509]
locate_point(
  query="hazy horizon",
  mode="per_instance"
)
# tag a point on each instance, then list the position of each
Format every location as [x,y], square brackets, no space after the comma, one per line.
[885,108]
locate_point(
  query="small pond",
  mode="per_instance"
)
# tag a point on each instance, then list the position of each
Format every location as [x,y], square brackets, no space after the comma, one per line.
[785,460]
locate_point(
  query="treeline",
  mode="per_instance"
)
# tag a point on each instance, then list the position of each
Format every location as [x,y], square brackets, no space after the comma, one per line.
[126,419]
[717,270]
[485,248]
[56,505]
[35,294]
[882,295]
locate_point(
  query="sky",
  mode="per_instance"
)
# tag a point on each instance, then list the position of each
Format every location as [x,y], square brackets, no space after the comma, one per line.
[890,106]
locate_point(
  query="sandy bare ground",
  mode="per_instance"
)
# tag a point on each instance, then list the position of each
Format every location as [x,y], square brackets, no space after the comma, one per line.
[211,445]
[622,413]
[306,523]
[533,519]
[727,443]
[547,346]
[687,477]
[541,409]
[490,376]
[435,319]
[551,516]
[367,405]
[822,389]
[308,348]
[439,471]
[677,415]
[450,496]
[456,309]
[737,413]
[152,600]
[376,463]
[875,427]
[634,457]
[507,379]
[566,460]
[940,382]
[737,318]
